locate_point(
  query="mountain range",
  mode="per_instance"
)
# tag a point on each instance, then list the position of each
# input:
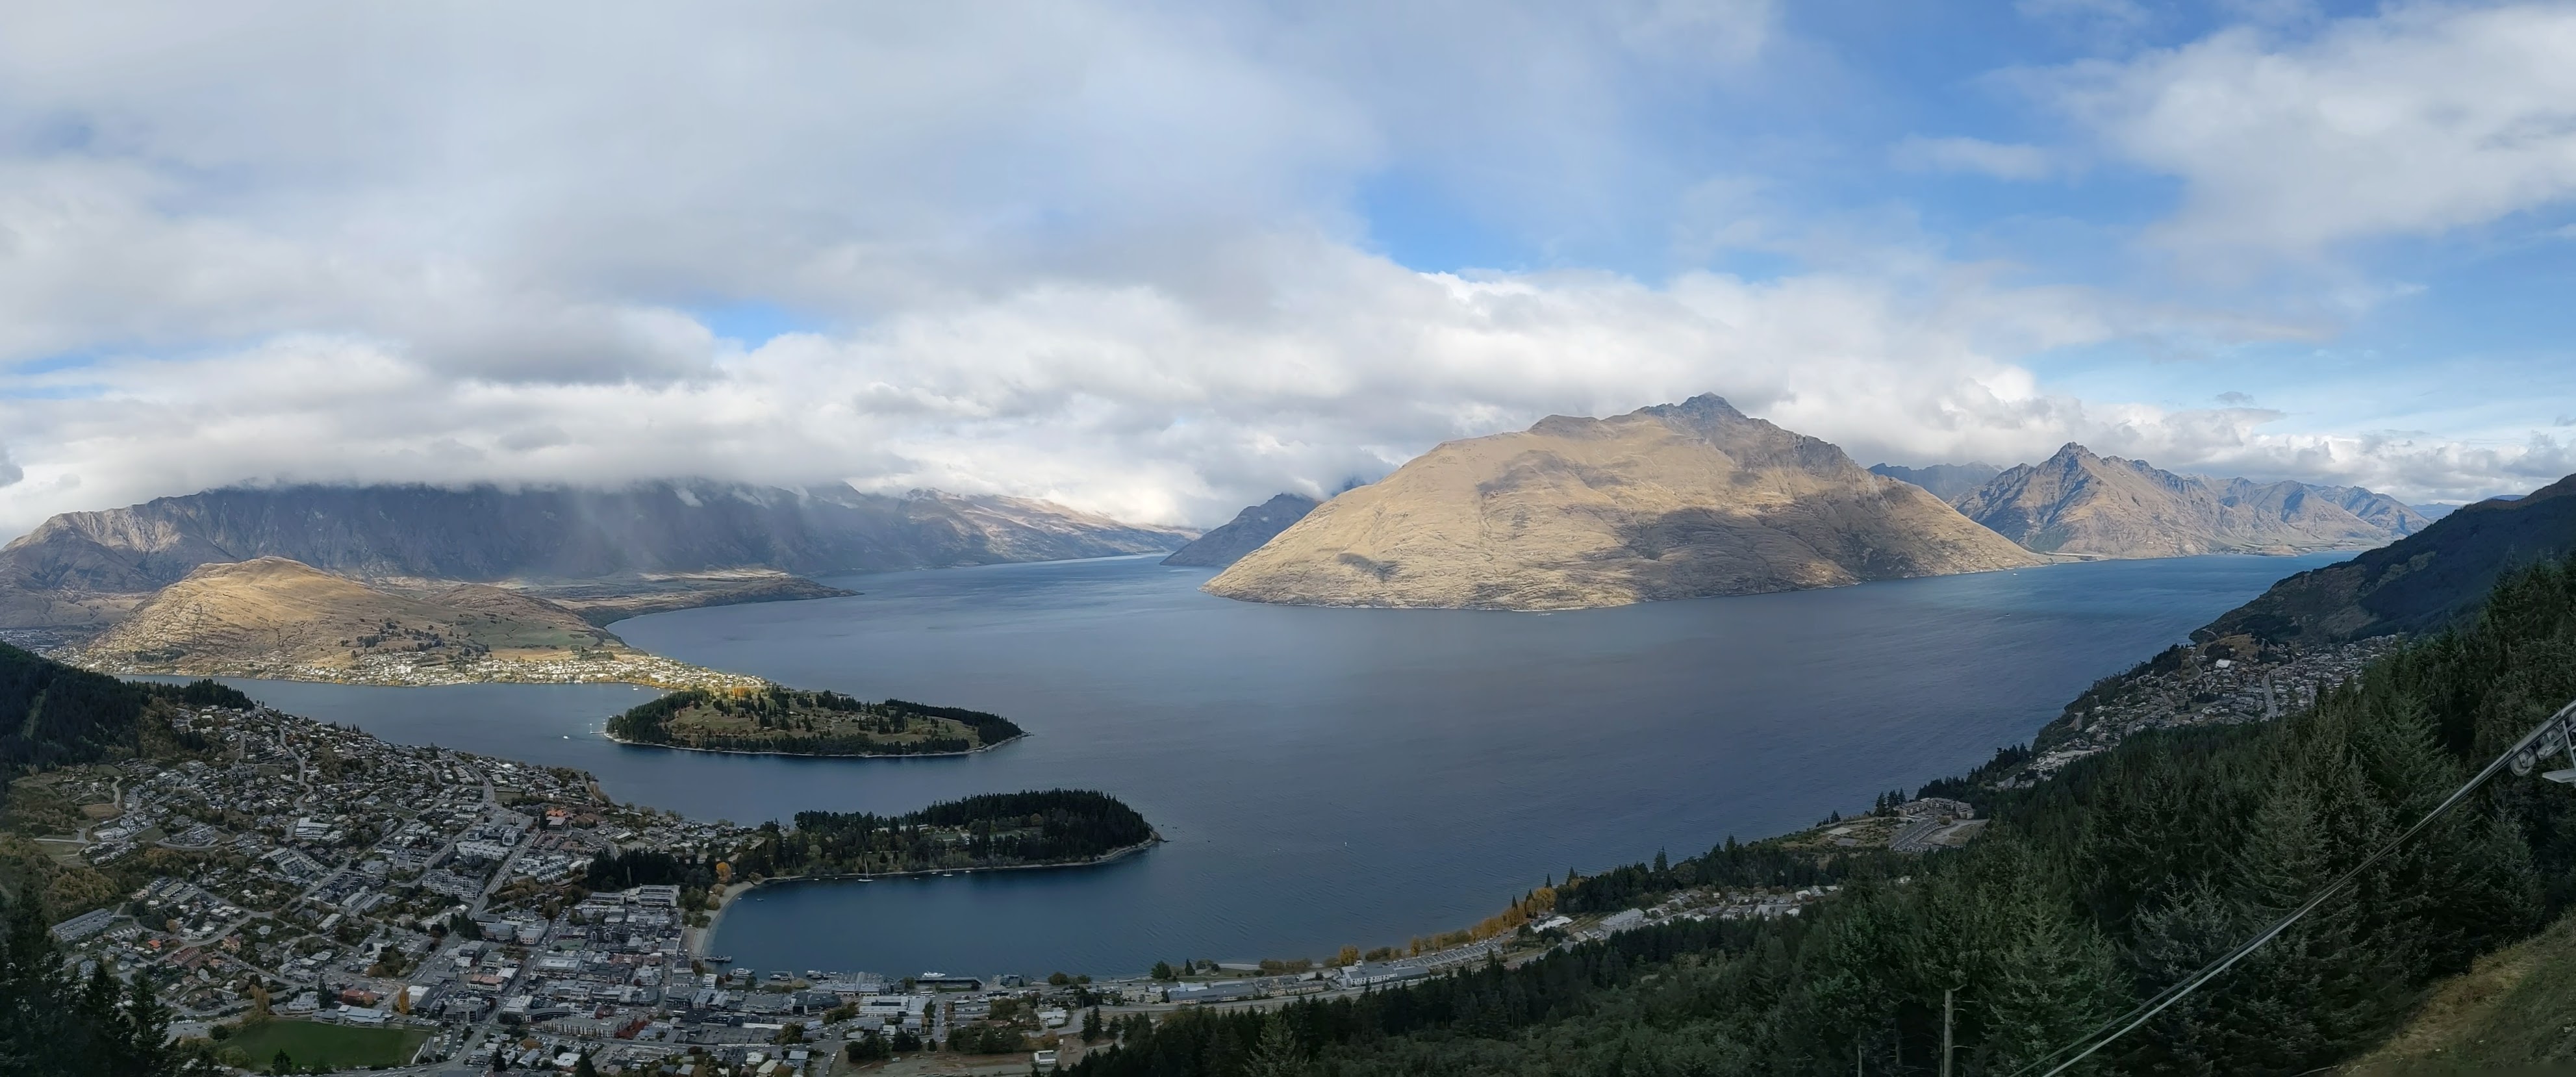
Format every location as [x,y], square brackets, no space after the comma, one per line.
[1673,501]
[2078,503]
[1226,544]
[2423,582]
[80,572]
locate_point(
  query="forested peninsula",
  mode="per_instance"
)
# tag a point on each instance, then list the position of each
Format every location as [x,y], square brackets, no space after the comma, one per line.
[1039,828]
[772,720]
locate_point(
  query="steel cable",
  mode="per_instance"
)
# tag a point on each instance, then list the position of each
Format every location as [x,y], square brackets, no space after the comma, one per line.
[2145,1011]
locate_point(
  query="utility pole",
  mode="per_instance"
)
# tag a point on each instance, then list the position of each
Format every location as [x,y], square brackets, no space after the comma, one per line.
[1945,1032]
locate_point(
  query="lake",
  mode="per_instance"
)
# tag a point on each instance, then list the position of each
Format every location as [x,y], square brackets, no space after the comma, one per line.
[1330,776]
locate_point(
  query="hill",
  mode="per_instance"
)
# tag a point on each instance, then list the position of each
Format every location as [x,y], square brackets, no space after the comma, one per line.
[2078,503]
[2419,583]
[2507,1014]
[52,714]
[1245,533]
[1673,501]
[1946,481]
[273,617]
[783,721]
[83,571]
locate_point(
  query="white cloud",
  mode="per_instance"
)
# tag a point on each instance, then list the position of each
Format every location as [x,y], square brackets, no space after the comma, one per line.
[1998,159]
[1141,402]
[2420,120]
[1099,253]
[10,472]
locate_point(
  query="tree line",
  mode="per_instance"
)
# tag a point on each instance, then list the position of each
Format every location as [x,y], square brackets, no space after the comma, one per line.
[2087,894]
[55,715]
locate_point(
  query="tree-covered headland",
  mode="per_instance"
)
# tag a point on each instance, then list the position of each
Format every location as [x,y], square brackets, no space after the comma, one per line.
[995,830]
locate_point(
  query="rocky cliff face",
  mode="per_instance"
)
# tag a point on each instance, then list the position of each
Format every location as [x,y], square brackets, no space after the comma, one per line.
[2079,503]
[1674,501]
[1250,528]
[88,569]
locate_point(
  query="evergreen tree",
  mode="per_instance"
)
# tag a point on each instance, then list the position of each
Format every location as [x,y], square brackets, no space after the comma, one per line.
[1277,1054]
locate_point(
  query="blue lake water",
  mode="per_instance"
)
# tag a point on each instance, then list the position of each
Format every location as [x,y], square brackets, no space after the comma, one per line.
[1329,776]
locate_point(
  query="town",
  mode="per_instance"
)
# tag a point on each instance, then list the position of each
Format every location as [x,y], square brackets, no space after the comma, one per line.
[413,671]
[2211,684]
[313,898]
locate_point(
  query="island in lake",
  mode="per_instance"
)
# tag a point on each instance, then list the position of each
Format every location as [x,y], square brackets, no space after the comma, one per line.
[772,720]
[1050,828]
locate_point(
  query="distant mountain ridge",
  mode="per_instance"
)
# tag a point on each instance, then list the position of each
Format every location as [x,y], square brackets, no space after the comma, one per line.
[2080,503]
[1226,544]
[2419,583]
[1946,481]
[273,617]
[1673,501]
[87,569]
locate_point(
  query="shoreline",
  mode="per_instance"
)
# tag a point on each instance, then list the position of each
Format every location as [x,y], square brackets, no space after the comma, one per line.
[615,739]
[724,904]
[113,670]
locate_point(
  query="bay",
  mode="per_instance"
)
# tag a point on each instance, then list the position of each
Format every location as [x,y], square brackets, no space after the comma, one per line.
[1330,776]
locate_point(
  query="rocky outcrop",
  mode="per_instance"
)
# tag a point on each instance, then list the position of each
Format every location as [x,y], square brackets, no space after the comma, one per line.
[2078,503]
[1245,533]
[1674,501]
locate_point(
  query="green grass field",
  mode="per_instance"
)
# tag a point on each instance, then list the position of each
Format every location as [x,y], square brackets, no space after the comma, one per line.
[313,1045]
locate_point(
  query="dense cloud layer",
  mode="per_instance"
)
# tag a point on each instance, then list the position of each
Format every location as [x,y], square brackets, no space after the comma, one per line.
[1122,256]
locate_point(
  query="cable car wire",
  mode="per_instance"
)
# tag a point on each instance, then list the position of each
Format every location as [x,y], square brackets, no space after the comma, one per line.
[2553,733]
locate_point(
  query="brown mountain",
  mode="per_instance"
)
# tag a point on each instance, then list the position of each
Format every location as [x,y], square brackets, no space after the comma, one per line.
[1226,544]
[82,571]
[272,617]
[2078,503]
[1674,501]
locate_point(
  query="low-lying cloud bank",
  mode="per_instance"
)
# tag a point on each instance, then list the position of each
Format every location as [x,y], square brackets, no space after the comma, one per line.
[1119,255]
[1154,407]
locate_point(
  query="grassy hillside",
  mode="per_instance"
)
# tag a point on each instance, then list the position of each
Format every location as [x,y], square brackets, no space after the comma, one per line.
[2510,1012]
[2420,583]
[272,617]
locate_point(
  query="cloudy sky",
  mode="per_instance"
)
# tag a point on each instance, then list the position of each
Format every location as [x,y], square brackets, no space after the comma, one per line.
[1162,260]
